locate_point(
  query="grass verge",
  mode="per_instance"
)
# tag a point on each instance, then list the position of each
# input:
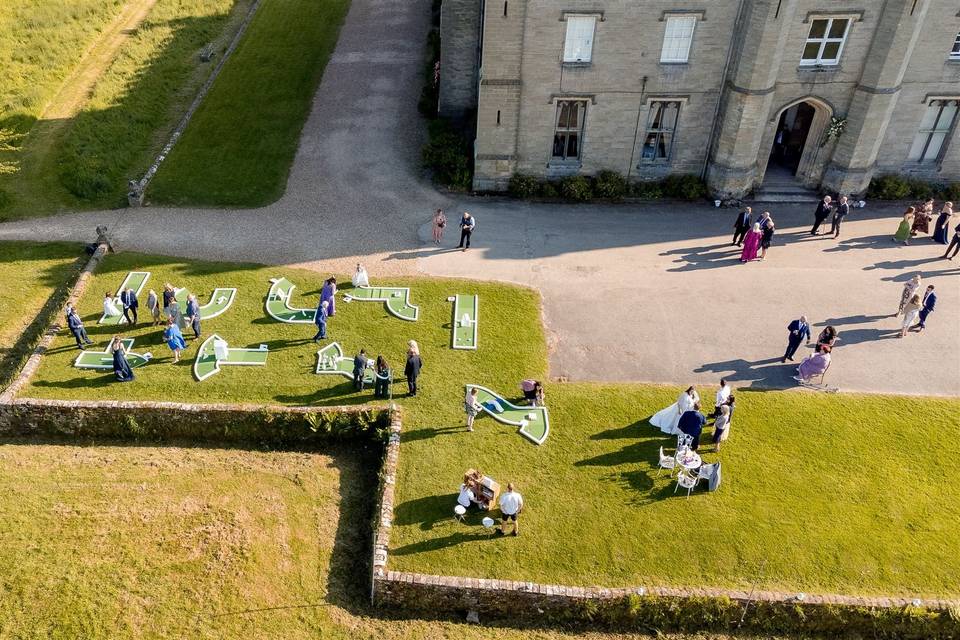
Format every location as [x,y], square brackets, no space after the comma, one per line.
[35,278]
[239,146]
[821,493]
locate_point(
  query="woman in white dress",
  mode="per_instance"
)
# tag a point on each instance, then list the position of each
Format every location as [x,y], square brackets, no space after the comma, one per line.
[360,278]
[109,306]
[667,419]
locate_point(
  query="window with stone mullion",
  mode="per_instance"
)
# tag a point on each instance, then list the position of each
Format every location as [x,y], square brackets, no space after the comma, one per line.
[568,132]
[936,125]
[661,126]
[825,41]
[955,53]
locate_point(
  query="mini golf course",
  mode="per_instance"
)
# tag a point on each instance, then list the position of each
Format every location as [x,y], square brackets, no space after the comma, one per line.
[207,363]
[464,325]
[278,304]
[104,359]
[220,301]
[330,360]
[134,280]
[397,300]
[534,422]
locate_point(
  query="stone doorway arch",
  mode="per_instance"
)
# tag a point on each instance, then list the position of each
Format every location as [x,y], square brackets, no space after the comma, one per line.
[792,142]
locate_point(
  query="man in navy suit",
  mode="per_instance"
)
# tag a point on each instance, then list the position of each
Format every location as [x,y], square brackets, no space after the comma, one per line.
[824,209]
[130,304]
[799,329]
[691,423]
[929,302]
[76,328]
[359,369]
[741,226]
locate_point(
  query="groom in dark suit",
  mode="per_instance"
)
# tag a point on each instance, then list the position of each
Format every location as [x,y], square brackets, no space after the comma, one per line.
[929,302]
[799,329]
[130,304]
[741,226]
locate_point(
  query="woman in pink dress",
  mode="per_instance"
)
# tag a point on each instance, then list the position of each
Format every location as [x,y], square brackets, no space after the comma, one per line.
[439,224]
[751,243]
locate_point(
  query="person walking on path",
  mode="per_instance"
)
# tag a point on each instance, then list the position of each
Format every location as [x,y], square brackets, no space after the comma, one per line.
[799,330]
[121,368]
[910,287]
[467,224]
[742,226]
[439,224]
[412,368]
[320,319]
[942,228]
[359,369]
[511,504]
[910,313]
[329,294]
[921,220]
[383,378]
[130,304]
[75,324]
[903,231]
[751,244]
[174,339]
[766,234]
[153,306]
[954,244]
[471,406]
[193,314]
[824,209]
[928,304]
[842,210]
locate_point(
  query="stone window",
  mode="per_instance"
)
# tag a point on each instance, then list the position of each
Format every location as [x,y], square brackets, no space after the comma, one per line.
[677,38]
[568,133]
[661,125]
[825,41]
[578,46]
[955,52]
[934,128]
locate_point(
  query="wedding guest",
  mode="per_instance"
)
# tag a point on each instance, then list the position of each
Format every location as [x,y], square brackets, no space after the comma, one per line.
[193,315]
[360,278]
[799,330]
[921,220]
[842,210]
[169,296]
[824,209]
[827,338]
[467,224]
[382,378]
[691,423]
[471,406]
[109,306]
[927,306]
[329,293]
[766,238]
[153,306]
[954,244]
[942,227]
[439,224]
[413,348]
[121,368]
[812,366]
[741,226]
[177,314]
[751,243]
[723,394]
[360,362]
[721,427]
[130,304]
[910,313]
[903,231]
[511,504]
[320,319]
[910,287]
[412,368]
[466,497]
[75,324]
[174,338]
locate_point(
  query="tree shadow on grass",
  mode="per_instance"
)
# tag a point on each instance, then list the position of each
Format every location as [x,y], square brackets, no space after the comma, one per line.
[78,383]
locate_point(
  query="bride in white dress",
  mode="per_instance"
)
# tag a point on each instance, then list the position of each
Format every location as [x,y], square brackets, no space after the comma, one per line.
[666,420]
[360,278]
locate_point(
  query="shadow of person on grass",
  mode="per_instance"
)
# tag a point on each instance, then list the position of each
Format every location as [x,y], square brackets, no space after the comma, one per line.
[425,511]
[434,544]
[630,431]
[428,433]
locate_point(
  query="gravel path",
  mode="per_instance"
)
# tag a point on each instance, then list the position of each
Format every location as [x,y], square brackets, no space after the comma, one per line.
[631,292]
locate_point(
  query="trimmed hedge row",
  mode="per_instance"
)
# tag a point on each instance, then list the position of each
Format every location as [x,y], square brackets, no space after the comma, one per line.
[607,185]
[896,187]
[202,423]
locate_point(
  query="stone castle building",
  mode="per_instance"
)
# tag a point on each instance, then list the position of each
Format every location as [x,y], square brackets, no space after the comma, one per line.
[737,91]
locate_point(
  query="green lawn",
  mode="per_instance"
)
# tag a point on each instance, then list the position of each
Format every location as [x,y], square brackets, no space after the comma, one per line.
[85,161]
[30,273]
[239,145]
[114,542]
[821,493]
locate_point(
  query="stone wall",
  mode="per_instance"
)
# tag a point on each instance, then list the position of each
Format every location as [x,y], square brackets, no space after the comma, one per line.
[459,39]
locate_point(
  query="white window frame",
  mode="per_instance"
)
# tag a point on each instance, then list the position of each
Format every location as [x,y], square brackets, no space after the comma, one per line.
[940,125]
[955,52]
[677,44]
[566,132]
[658,132]
[823,41]
[577,43]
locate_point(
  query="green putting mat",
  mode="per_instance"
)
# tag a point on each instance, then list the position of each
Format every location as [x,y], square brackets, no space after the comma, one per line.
[220,301]
[206,363]
[464,326]
[134,280]
[104,359]
[534,422]
[278,304]
[397,300]
[330,360]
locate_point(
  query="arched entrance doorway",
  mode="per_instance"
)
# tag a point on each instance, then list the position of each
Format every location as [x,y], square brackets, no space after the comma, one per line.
[796,156]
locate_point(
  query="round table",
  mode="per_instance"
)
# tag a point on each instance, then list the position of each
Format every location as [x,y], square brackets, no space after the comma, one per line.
[689,460]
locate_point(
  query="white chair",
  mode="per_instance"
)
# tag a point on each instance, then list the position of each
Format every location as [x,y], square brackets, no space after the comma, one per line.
[687,481]
[666,462]
[683,442]
[459,512]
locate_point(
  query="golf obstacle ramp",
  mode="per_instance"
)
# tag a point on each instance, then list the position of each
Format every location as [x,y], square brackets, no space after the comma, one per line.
[220,301]
[134,280]
[464,325]
[210,358]
[534,422]
[397,300]
[104,359]
[278,304]
[331,361]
